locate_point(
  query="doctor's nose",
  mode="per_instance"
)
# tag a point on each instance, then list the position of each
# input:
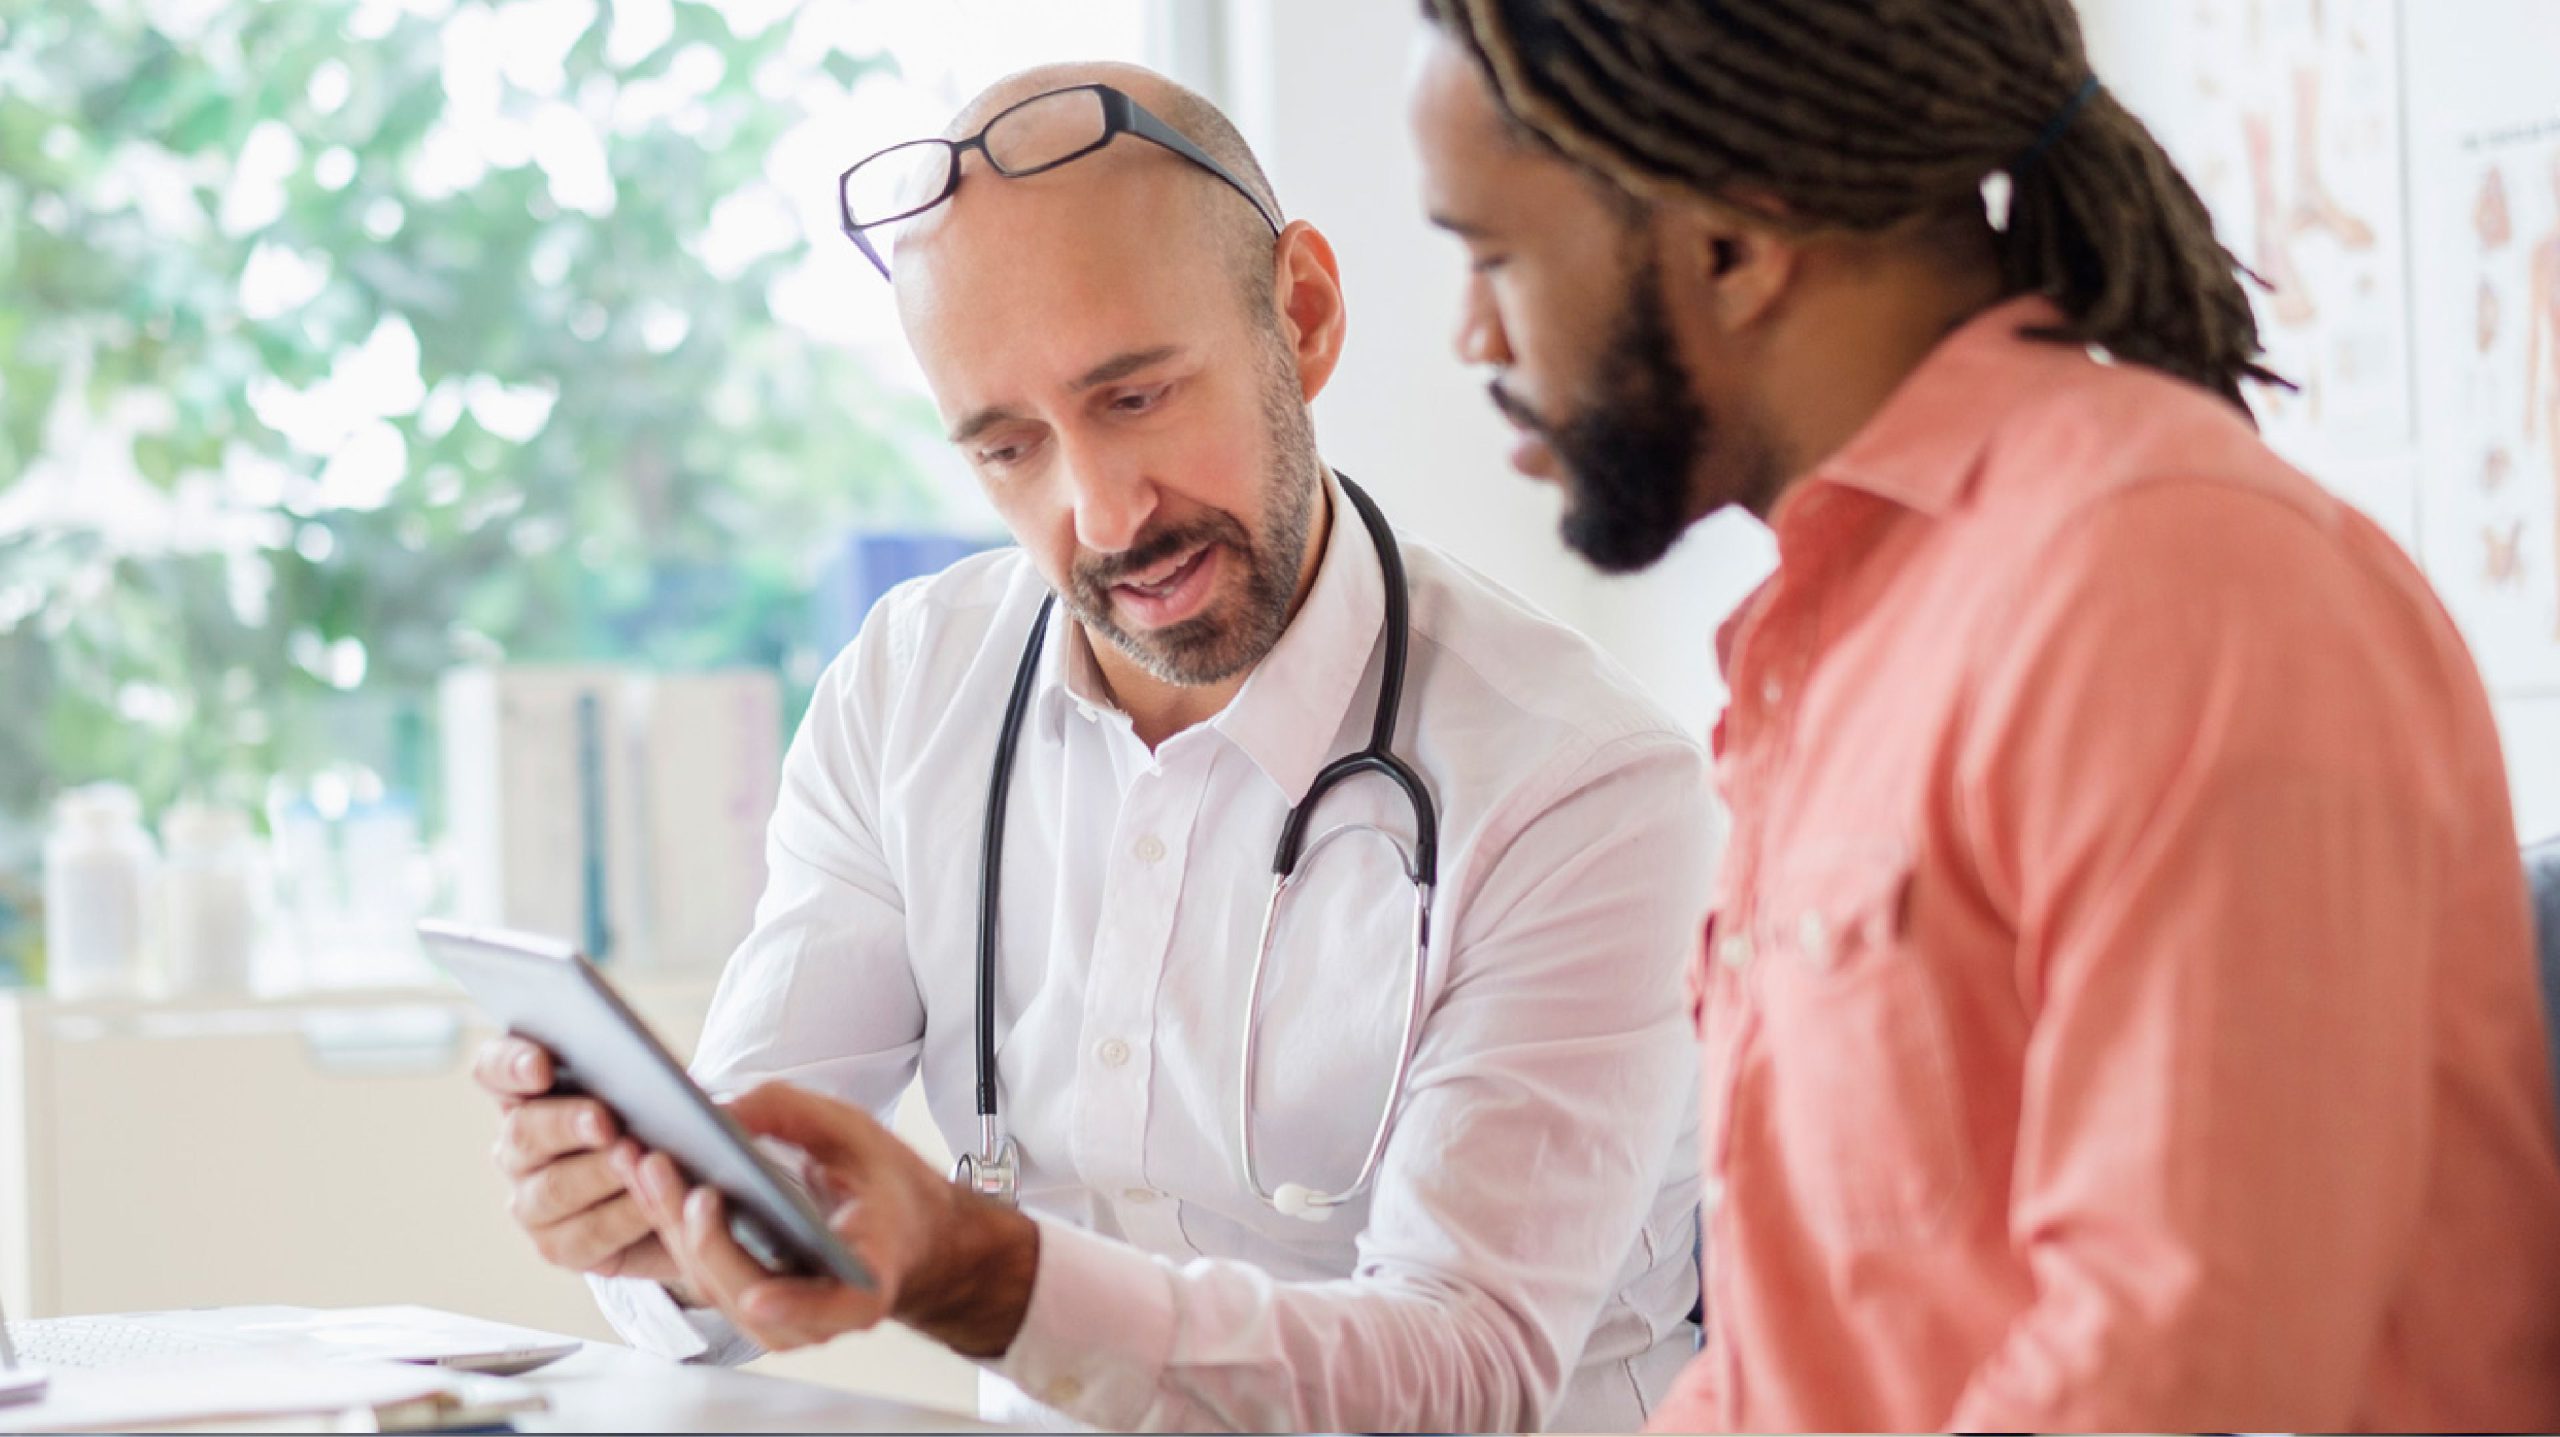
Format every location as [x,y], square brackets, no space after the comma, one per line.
[1112,503]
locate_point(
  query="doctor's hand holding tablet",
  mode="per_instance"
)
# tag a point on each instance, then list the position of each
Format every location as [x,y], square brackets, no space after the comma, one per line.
[952,1265]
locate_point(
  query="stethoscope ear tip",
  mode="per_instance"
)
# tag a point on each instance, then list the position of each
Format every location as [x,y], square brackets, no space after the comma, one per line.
[1300,1201]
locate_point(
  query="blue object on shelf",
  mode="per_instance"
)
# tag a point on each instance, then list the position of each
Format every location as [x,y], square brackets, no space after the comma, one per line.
[597,941]
[871,562]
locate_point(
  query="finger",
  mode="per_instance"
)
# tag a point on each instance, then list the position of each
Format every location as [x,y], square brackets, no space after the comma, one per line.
[779,1313]
[513,1067]
[658,1188]
[595,1240]
[706,1225]
[725,1272]
[544,1129]
[563,1188]
[837,1134]
[665,1194]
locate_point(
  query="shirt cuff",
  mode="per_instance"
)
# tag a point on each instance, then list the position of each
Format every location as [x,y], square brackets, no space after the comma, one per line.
[1099,1331]
[650,1319]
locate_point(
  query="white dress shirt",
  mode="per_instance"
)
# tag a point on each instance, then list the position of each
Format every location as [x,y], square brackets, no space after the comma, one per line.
[1524,1256]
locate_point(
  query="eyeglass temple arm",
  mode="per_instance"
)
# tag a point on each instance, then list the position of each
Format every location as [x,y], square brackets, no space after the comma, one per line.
[871,252]
[1137,120]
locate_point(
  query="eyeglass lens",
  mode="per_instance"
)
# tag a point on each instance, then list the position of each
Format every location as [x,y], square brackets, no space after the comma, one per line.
[908,179]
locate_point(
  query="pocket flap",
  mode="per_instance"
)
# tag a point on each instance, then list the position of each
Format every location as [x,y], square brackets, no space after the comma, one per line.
[1837,898]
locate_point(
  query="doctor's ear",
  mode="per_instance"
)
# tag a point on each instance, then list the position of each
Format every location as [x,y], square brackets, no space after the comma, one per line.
[1307,300]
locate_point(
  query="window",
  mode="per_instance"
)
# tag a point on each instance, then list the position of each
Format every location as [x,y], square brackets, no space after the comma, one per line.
[342,341]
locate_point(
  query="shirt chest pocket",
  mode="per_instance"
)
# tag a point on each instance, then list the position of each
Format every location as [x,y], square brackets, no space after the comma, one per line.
[1862,1094]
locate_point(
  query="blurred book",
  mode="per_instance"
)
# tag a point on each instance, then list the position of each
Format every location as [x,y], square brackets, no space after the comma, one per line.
[619,808]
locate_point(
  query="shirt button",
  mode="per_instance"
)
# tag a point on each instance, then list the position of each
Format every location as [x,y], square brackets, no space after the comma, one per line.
[1711,1194]
[1771,691]
[1734,950]
[1112,1052]
[1064,1391]
[1139,1196]
[1815,935]
[1149,849]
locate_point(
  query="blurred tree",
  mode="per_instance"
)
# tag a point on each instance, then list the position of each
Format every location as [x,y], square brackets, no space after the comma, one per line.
[343,339]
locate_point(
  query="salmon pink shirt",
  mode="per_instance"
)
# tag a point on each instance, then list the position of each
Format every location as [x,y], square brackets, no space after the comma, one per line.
[2119,1010]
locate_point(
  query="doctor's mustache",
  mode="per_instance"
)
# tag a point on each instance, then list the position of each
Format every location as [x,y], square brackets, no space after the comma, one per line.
[1095,576]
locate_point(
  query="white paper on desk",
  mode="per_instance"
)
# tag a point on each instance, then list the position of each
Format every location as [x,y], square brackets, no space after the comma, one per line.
[404,1333]
[237,1387]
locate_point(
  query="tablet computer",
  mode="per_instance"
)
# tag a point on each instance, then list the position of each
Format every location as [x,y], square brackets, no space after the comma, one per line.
[547,991]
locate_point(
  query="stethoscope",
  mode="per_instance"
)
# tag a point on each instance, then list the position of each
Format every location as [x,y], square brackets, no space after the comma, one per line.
[991,1170]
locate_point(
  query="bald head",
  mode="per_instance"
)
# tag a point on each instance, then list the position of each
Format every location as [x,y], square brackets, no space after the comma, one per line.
[1221,217]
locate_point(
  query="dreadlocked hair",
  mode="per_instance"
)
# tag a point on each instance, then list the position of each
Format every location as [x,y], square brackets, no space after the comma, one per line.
[1874,114]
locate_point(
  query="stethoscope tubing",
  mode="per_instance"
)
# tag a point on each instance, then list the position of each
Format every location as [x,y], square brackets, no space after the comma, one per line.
[991,1169]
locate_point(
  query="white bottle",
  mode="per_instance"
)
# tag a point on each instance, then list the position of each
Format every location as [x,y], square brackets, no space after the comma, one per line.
[97,875]
[208,901]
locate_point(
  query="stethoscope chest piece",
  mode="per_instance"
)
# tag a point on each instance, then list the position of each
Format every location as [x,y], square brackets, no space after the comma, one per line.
[991,1172]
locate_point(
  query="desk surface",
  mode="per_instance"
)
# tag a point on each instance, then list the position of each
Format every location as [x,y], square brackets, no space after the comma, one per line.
[604,1388]
[601,1387]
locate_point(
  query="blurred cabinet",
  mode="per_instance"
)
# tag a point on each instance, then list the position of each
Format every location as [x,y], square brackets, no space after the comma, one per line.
[329,1150]
[326,1151]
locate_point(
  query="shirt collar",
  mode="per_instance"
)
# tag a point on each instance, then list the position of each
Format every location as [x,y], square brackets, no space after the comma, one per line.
[1292,705]
[1919,449]
[1070,679]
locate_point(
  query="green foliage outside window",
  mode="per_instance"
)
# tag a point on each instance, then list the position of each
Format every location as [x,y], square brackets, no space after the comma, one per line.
[611,447]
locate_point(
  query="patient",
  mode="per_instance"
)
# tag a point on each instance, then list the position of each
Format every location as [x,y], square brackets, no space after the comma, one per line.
[2119,1011]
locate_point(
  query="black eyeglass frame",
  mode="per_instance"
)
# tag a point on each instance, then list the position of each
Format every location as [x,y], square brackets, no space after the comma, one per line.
[1120,115]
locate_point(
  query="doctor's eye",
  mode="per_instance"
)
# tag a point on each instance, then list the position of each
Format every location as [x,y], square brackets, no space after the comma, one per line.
[1006,454]
[1139,401]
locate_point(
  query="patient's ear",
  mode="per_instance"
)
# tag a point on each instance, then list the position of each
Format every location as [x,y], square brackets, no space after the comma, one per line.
[1723,265]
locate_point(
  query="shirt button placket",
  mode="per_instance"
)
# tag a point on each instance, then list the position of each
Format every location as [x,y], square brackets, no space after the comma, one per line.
[1139,901]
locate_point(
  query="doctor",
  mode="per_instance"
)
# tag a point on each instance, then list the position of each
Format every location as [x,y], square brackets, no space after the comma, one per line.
[1426,1166]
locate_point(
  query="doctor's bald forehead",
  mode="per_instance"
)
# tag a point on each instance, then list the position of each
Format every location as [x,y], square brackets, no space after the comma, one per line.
[1225,218]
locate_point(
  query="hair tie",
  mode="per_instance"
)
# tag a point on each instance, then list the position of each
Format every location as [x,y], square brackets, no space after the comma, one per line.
[1999,186]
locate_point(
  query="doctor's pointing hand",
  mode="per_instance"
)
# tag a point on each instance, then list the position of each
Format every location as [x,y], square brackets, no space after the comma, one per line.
[952,1265]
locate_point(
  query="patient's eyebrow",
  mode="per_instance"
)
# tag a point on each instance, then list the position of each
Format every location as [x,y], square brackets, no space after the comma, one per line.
[1463,229]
